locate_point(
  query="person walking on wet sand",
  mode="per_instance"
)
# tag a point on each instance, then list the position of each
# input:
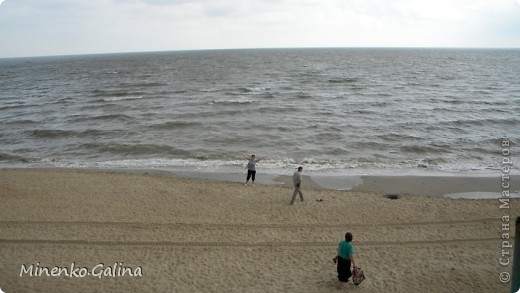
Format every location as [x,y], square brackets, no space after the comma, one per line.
[297,180]
[251,167]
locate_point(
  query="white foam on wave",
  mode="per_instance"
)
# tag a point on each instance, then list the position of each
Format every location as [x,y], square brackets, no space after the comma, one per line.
[115,99]
[273,166]
[240,100]
[149,163]
[253,89]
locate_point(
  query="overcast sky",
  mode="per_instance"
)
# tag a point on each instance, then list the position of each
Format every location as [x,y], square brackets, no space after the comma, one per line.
[64,27]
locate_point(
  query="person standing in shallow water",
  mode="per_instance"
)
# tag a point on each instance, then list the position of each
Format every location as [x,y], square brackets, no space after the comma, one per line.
[297,180]
[251,167]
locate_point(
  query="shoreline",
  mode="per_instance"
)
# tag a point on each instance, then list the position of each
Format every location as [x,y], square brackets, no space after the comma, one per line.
[464,185]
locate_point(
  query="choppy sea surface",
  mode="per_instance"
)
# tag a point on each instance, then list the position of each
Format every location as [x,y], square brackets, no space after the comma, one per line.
[336,111]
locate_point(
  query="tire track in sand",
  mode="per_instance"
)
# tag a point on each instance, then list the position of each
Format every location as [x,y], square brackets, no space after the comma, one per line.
[237,244]
[95,224]
[245,225]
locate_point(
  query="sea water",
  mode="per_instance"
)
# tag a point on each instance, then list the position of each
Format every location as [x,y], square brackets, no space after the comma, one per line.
[335,111]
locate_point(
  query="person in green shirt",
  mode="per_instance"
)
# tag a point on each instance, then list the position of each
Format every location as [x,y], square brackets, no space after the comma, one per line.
[344,259]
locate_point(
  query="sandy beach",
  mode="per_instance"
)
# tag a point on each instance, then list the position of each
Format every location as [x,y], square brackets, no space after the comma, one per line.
[196,235]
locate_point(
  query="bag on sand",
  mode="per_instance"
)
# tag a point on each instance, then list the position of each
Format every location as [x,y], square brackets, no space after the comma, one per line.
[357,276]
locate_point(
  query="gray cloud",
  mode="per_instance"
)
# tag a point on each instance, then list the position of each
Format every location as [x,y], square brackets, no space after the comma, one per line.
[48,27]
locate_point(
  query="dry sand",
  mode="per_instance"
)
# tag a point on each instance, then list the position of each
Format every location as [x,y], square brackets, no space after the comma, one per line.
[193,235]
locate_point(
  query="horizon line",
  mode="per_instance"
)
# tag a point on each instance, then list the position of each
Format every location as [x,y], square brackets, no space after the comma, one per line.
[262,48]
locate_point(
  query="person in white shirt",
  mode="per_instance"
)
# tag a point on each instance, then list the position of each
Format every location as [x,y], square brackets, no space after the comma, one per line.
[251,167]
[297,180]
